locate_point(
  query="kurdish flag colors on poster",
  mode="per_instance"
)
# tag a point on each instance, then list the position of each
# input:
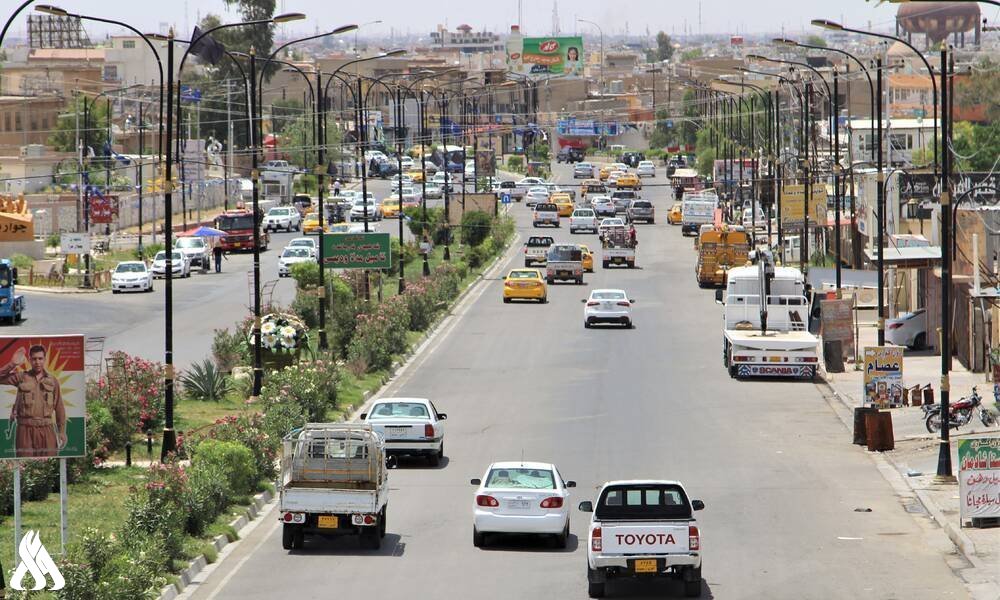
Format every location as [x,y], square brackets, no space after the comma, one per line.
[546,56]
[43,392]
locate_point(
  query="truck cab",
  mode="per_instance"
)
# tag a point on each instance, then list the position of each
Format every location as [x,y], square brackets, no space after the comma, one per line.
[643,529]
[11,303]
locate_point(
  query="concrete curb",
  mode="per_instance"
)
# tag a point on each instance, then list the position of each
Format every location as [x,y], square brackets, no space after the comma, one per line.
[187,575]
[48,290]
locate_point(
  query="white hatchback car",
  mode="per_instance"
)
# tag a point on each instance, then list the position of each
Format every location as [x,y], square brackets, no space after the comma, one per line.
[521,497]
[180,266]
[131,275]
[646,168]
[607,306]
[292,255]
[410,426]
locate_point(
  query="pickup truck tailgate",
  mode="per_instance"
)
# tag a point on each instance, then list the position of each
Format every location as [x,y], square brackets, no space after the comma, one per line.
[328,500]
[644,539]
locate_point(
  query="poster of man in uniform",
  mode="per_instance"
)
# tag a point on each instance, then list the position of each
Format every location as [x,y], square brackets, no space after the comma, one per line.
[883,376]
[42,397]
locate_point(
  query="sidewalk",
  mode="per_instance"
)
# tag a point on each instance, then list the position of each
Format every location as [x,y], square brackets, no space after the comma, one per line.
[914,460]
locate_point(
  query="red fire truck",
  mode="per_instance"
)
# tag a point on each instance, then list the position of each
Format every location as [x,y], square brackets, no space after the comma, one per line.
[238,225]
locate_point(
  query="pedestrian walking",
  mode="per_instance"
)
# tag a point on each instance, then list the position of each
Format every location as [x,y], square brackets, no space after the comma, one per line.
[336,188]
[631,235]
[217,254]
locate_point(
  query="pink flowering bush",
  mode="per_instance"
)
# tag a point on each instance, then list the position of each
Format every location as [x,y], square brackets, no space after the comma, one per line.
[380,334]
[131,391]
[310,384]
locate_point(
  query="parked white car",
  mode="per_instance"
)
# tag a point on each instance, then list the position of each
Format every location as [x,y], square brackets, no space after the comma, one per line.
[521,497]
[358,210]
[645,168]
[282,217]
[583,219]
[180,266]
[305,242]
[432,191]
[908,329]
[607,306]
[292,255]
[131,275]
[195,250]
[410,426]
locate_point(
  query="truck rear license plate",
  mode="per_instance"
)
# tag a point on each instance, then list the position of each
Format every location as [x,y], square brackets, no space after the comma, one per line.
[645,565]
[328,522]
[396,430]
[564,273]
[774,359]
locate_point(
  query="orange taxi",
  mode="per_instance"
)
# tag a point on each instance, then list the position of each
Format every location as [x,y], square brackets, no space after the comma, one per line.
[525,284]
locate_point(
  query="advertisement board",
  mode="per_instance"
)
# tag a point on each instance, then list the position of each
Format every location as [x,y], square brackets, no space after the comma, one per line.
[792,208]
[979,477]
[356,251]
[883,376]
[103,209]
[546,56]
[43,395]
[836,323]
[486,164]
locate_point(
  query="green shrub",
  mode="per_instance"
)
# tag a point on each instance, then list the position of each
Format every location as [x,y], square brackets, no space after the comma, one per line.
[434,226]
[306,275]
[476,226]
[156,513]
[21,262]
[502,231]
[53,240]
[281,417]
[246,429]
[232,459]
[39,477]
[312,385]
[515,163]
[149,251]
[230,349]
[206,496]
[481,254]
[203,381]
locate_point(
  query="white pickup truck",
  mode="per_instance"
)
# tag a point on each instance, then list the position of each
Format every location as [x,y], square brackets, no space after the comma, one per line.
[536,249]
[643,529]
[334,481]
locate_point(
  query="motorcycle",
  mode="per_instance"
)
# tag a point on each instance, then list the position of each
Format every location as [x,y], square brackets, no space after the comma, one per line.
[961,413]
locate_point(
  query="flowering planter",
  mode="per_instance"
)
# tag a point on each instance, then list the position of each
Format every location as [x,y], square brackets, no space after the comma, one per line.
[282,338]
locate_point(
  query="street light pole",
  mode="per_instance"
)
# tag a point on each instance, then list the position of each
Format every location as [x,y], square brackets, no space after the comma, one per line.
[880,202]
[602,49]
[944,472]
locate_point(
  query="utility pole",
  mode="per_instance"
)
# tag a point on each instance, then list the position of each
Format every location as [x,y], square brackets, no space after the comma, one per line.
[880,198]
[807,185]
[944,472]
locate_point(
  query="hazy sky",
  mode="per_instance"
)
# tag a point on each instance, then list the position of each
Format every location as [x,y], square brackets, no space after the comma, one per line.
[420,16]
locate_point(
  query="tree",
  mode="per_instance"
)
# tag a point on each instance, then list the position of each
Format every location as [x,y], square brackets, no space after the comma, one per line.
[664,46]
[691,54]
[284,112]
[63,138]
[981,88]
[689,128]
[241,39]
[816,40]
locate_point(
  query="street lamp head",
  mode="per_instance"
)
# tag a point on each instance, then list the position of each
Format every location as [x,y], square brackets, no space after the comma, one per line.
[288,17]
[343,29]
[827,24]
[51,10]
[784,42]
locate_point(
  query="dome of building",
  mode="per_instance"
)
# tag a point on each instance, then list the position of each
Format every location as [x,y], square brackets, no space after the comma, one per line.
[937,20]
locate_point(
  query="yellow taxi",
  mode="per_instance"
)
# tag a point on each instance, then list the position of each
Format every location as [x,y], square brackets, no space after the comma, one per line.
[310,225]
[588,258]
[604,173]
[390,208]
[676,212]
[629,180]
[563,203]
[416,176]
[525,284]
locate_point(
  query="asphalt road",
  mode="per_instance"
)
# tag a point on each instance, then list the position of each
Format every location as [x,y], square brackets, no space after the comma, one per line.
[775,468]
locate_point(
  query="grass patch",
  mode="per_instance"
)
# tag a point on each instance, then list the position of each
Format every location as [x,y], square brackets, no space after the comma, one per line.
[98,501]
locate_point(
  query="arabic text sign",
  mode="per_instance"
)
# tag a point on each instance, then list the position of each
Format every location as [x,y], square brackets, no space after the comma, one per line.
[883,376]
[356,251]
[792,206]
[979,477]
[838,325]
[42,396]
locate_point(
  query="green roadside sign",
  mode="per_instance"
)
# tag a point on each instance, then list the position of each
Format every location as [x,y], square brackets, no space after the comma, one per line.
[356,251]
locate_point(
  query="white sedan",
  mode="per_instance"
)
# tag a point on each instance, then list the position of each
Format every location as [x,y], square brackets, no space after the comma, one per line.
[304,242]
[292,255]
[608,306]
[410,426]
[131,275]
[521,497]
[646,168]
[180,266]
